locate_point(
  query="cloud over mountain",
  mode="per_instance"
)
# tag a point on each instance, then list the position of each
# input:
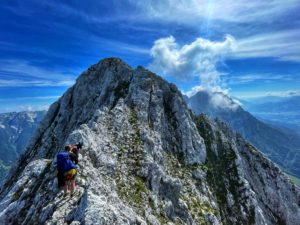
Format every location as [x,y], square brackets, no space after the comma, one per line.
[199,58]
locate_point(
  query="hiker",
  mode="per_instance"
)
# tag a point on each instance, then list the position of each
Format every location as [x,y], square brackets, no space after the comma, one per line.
[66,168]
[76,148]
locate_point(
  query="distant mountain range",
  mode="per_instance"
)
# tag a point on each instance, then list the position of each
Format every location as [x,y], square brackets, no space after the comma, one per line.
[280,144]
[16,129]
[277,110]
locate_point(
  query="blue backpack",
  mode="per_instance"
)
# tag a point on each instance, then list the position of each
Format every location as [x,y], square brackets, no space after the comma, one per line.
[64,162]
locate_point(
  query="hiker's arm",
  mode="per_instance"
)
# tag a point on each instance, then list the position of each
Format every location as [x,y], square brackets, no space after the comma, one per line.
[75,151]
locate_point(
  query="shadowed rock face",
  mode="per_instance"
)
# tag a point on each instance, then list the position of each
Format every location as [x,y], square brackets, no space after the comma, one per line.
[146,160]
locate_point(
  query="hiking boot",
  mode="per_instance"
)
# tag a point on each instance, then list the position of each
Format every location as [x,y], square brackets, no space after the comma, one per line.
[73,193]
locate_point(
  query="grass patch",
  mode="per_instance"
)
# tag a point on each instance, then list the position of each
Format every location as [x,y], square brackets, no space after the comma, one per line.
[295,180]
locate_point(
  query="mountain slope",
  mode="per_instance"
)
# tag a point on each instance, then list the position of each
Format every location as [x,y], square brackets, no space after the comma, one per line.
[283,110]
[15,131]
[146,160]
[280,145]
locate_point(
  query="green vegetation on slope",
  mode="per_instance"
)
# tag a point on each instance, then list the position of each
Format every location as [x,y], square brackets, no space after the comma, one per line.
[3,169]
[222,175]
[295,180]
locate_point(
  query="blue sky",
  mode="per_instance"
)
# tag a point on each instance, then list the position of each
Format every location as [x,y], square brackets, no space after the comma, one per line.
[247,48]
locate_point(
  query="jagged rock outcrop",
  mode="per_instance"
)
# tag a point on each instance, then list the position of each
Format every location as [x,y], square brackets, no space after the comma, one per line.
[146,160]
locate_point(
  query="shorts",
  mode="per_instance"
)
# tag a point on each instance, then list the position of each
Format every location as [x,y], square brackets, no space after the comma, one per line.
[70,174]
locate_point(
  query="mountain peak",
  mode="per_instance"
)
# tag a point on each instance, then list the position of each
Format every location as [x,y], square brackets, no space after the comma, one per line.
[146,160]
[112,62]
[212,103]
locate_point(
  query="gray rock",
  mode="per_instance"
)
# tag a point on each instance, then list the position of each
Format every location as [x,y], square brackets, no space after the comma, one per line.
[146,160]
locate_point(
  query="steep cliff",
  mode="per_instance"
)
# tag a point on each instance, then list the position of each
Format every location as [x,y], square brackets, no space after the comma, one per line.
[146,160]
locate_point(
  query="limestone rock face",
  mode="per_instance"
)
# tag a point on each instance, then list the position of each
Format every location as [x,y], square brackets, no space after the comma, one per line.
[146,160]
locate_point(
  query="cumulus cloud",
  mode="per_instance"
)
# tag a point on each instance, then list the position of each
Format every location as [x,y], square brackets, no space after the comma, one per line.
[218,97]
[200,59]
[219,100]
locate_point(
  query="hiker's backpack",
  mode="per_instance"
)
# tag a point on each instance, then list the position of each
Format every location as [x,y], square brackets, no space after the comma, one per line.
[64,162]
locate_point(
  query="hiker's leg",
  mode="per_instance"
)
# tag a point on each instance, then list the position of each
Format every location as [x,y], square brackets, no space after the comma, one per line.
[73,186]
[66,187]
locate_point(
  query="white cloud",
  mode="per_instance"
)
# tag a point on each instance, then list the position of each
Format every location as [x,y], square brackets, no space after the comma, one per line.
[198,58]
[26,68]
[245,19]
[200,88]
[21,73]
[35,83]
[282,45]
[232,16]
[262,94]
[25,107]
[182,12]
[32,108]
[288,93]
[219,98]
[191,11]
[263,77]
[54,97]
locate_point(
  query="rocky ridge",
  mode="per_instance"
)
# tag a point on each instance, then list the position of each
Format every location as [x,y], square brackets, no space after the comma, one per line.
[146,160]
